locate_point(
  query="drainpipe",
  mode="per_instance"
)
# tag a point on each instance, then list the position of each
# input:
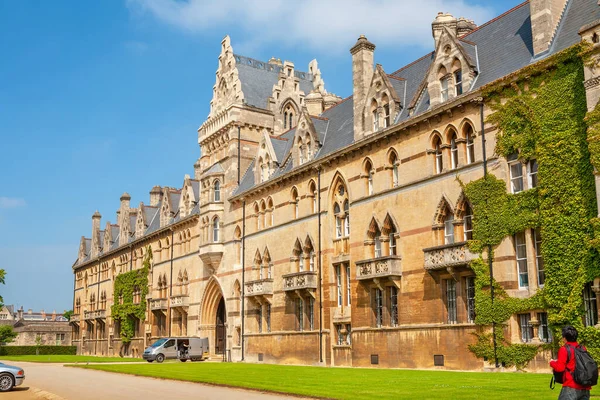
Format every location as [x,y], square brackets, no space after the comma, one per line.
[489,247]
[97,300]
[73,325]
[238,156]
[243,269]
[171,280]
[319,266]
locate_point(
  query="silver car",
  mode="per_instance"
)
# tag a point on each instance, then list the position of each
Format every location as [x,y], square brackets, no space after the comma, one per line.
[10,376]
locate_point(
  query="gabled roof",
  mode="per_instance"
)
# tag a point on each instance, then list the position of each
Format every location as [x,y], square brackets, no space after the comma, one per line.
[577,13]
[216,168]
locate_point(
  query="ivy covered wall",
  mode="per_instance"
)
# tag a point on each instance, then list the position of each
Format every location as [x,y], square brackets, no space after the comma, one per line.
[542,117]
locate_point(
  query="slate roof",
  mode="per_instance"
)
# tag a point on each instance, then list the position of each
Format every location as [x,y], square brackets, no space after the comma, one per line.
[496,49]
[215,169]
[258,78]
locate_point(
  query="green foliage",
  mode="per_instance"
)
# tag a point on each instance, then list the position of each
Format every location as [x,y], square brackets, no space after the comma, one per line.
[2,281]
[541,117]
[68,314]
[7,334]
[37,350]
[125,311]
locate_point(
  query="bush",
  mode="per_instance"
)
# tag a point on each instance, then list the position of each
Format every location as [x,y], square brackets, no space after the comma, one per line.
[40,350]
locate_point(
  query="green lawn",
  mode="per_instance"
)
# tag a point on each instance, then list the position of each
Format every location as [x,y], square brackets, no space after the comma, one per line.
[69,359]
[346,383]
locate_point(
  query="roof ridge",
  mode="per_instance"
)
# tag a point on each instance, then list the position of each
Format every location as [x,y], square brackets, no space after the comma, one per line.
[496,19]
[321,118]
[258,64]
[395,77]
[334,106]
[278,138]
[414,62]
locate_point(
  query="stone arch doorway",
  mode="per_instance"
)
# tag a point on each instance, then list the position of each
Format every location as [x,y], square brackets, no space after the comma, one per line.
[213,317]
[220,331]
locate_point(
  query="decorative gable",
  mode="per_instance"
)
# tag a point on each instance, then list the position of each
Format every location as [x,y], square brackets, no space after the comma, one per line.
[452,71]
[188,199]
[382,103]
[82,253]
[140,223]
[108,239]
[166,208]
[228,88]
[306,140]
[266,159]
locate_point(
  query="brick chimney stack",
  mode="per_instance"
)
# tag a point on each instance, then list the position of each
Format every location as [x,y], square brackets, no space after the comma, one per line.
[545,15]
[96,245]
[362,73]
[124,223]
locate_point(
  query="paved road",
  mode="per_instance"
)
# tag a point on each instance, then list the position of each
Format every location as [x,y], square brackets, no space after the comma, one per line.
[82,384]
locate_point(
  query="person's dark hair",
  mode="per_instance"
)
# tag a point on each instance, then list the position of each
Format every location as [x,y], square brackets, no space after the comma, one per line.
[569,333]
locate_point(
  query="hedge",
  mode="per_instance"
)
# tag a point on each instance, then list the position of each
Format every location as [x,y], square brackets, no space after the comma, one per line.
[37,350]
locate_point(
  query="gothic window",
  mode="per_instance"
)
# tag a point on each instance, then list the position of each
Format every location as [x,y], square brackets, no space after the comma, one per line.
[77,305]
[444,83]
[237,237]
[521,256]
[374,236]
[394,163]
[217,191]
[312,193]
[263,213]
[307,147]
[295,203]
[347,218]
[468,223]
[374,115]
[257,214]
[266,265]
[309,255]
[338,278]
[288,117]
[470,288]
[270,211]
[378,307]
[449,228]
[297,256]
[368,171]
[300,145]
[341,210]
[439,158]
[453,150]
[215,228]
[338,221]
[393,306]
[470,143]
[258,264]
[386,111]
[458,78]
[391,233]
[299,314]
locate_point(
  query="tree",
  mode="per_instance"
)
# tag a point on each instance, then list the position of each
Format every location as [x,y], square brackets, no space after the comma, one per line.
[2,281]
[67,314]
[7,334]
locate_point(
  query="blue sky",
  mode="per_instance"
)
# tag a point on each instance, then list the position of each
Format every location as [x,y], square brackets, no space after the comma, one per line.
[98,98]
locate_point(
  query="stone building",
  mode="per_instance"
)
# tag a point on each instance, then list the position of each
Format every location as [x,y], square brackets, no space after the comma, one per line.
[36,328]
[320,230]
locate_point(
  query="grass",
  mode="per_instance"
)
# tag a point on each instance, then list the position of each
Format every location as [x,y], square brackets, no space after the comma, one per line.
[68,359]
[352,383]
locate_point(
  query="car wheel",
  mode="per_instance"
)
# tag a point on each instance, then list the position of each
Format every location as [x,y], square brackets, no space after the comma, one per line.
[160,358]
[183,359]
[6,382]
[149,360]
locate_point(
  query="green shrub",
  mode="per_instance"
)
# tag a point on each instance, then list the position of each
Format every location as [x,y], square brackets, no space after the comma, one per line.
[41,350]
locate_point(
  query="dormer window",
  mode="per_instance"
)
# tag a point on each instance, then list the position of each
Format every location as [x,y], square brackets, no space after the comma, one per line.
[444,84]
[458,87]
[375,115]
[386,111]
[217,191]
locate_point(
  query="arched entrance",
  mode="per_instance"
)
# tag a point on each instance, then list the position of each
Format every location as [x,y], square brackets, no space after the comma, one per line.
[213,317]
[220,332]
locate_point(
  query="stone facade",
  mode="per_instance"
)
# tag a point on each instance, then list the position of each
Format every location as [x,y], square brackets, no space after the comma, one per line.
[324,231]
[36,328]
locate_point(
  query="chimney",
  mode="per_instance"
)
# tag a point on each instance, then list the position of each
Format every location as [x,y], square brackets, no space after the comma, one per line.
[43,315]
[465,26]
[545,15]
[96,245]
[20,313]
[30,311]
[54,315]
[124,228]
[362,73]
[440,23]
[155,196]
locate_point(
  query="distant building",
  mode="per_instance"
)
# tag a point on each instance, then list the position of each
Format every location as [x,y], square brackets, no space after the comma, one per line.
[33,327]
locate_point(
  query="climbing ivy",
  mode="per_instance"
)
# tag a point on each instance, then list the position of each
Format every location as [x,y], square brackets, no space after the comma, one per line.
[124,310]
[541,116]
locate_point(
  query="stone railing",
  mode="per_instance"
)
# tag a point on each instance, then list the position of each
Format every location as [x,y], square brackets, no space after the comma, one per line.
[448,255]
[158,304]
[94,314]
[215,123]
[75,318]
[300,280]
[382,267]
[181,300]
[260,287]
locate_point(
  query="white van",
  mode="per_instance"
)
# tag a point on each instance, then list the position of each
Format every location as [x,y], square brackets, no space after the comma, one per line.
[181,348]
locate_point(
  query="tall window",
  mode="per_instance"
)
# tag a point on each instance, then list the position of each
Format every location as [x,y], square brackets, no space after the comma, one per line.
[591,307]
[348,287]
[394,164]
[539,261]
[338,221]
[392,241]
[449,228]
[516,177]
[311,261]
[544,333]
[311,314]
[377,243]
[439,158]
[444,84]
[532,170]
[312,192]
[386,116]
[340,335]
[454,152]
[470,145]
[217,191]
[458,86]
[259,318]
[526,327]
[300,314]
[378,307]
[468,223]
[369,174]
[338,275]
[470,284]
[347,218]
[268,318]
[295,202]
[216,230]
[374,115]
[451,300]
[393,306]
[521,255]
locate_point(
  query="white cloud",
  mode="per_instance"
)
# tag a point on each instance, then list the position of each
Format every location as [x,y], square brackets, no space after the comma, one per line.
[331,25]
[12,202]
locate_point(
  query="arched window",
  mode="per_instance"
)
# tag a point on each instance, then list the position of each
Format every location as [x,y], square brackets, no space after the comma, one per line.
[457,72]
[217,191]
[271,211]
[369,174]
[309,255]
[338,220]
[439,160]
[237,237]
[312,192]
[347,218]
[394,163]
[257,214]
[449,228]
[307,147]
[288,117]
[295,202]
[444,83]
[374,115]
[470,143]
[300,151]
[263,212]
[468,223]
[386,111]
[215,226]
[285,120]
[454,151]
[266,265]
[77,306]
[389,231]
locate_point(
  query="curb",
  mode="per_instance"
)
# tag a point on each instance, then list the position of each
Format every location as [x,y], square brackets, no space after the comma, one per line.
[42,394]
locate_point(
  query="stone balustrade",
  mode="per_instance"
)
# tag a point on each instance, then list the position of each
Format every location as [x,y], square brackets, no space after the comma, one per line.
[381,267]
[448,256]
[75,318]
[260,287]
[180,300]
[96,314]
[158,304]
[300,280]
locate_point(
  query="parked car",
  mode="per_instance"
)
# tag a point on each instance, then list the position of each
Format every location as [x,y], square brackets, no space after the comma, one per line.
[10,377]
[181,348]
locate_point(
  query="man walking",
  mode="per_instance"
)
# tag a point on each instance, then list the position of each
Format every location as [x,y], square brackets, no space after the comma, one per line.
[565,363]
